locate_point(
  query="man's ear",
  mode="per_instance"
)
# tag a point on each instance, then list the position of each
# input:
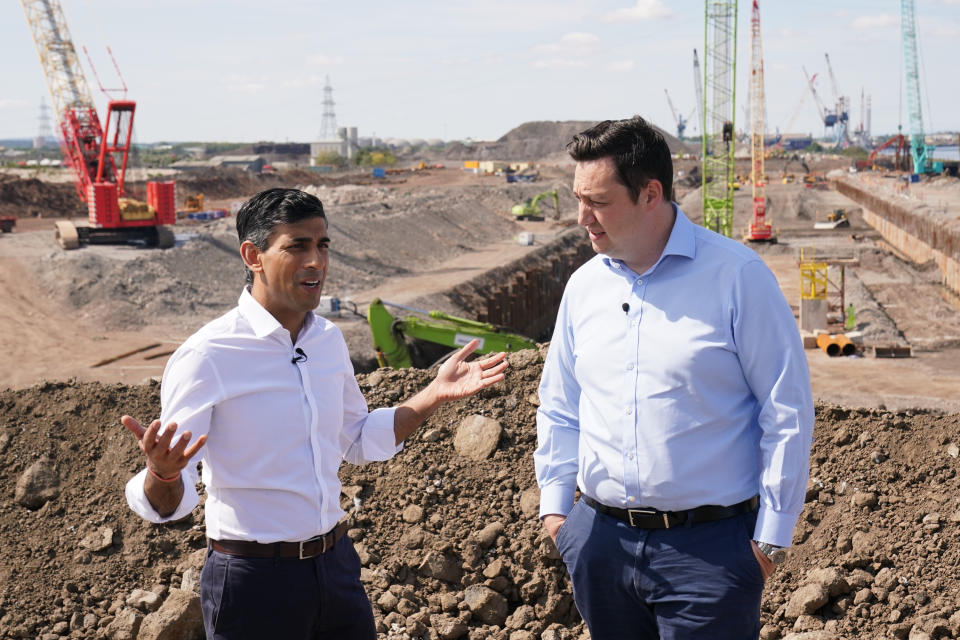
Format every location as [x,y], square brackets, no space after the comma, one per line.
[251,256]
[652,193]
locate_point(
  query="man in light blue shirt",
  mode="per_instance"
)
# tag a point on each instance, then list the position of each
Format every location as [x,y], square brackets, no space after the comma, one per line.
[676,396]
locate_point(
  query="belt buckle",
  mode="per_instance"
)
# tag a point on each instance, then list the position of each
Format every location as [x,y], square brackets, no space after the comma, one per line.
[639,512]
[313,539]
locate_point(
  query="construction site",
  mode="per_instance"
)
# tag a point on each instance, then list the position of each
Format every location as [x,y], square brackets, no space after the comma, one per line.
[107,267]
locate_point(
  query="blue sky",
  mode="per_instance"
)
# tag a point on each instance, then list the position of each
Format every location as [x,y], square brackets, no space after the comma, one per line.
[248,71]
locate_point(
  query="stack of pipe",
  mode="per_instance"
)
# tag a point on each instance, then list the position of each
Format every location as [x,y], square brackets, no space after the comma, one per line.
[836,345]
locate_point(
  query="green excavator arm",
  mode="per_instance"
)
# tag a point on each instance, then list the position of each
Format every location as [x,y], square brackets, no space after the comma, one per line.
[389,333]
[531,208]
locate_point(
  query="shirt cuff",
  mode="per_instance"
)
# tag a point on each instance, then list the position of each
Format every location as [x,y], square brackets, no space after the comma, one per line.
[379,439]
[137,499]
[774,527]
[556,499]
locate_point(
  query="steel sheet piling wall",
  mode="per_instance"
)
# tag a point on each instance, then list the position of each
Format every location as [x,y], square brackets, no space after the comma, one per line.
[524,296]
[920,235]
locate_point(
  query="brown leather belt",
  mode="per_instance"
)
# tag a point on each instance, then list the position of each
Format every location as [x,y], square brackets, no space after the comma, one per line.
[302,550]
[654,519]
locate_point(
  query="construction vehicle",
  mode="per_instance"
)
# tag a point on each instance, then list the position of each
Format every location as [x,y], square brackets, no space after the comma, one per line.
[901,143]
[522,176]
[920,152]
[836,218]
[97,154]
[7,223]
[390,333]
[193,204]
[530,210]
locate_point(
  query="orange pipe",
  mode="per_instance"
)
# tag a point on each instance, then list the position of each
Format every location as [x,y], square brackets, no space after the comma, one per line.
[847,348]
[827,342]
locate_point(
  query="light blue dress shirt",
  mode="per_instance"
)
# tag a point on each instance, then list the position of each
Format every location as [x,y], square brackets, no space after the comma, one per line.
[683,386]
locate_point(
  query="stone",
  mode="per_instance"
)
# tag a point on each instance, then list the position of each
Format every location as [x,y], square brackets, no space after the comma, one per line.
[494,569]
[831,579]
[144,600]
[489,534]
[412,514]
[477,437]
[448,628]
[864,499]
[440,566]
[191,580]
[530,502]
[806,600]
[486,604]
[808,623]
[98,540]
[387,602]
[38,484]
[179,618]
[523,615]
[432,435]
[811,635]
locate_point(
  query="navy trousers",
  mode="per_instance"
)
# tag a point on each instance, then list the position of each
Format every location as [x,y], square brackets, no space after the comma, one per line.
[697,581]
[320,598]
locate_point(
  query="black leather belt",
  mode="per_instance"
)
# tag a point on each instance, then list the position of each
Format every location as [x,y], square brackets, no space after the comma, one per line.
[303,550]
[654,519]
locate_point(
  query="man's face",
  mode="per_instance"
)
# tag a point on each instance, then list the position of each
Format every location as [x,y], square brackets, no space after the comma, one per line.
[615,222]
[289,274]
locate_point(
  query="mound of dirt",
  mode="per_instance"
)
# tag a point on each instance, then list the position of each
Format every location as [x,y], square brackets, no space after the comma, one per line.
[439,532]
[30,197]
[537,140]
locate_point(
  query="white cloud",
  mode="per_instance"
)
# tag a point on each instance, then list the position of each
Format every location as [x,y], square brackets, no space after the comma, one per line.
[875,22]
[620,65]
[642,10]
[576,42]
[242,84]
[559,63]
[947,30]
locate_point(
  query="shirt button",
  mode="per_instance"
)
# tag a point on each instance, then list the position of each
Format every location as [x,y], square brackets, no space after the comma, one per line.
[639,281]
[630,498]
[629,456]
[629,410]
[630,367]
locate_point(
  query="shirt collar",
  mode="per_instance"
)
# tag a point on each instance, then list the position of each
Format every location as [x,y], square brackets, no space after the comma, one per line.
[262,321]
[682,242]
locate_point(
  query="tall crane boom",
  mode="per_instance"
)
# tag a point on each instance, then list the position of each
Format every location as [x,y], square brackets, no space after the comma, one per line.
[94,152]
[719,74]
[760,230]
[919,151]
[678,118]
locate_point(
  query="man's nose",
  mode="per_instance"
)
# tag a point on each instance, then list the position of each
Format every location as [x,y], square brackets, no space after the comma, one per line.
[585,215]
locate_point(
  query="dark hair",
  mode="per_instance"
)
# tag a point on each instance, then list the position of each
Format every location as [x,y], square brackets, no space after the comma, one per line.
[638,150]
[259,215]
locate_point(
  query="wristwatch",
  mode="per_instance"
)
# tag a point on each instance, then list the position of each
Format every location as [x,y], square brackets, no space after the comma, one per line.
[775,554]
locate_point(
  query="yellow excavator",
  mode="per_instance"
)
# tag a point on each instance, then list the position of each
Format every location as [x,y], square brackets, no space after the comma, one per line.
[530,210]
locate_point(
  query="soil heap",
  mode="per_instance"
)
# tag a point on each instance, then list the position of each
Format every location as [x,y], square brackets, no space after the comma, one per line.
[447,530]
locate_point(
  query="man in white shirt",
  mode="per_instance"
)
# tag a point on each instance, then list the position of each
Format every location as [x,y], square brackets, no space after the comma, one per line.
[268,397]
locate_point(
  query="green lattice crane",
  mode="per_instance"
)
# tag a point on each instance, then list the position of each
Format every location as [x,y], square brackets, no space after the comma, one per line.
[719,78]
[920,152]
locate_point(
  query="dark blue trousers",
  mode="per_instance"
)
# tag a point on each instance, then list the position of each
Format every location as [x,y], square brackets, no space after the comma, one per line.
[697,581]
[320,598]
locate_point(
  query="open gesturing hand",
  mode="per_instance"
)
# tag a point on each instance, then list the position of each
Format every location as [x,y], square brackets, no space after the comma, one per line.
[163,461]
[458,378]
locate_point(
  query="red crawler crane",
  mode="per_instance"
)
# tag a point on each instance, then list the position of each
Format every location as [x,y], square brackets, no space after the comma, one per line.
[97,155]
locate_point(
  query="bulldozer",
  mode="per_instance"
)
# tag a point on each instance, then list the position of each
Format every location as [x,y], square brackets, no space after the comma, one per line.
[193,204]
[390,333]
[836,218]
[530,210]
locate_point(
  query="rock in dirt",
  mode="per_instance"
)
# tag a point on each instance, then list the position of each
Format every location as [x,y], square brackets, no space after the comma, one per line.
[179,618]
[477,437]
[38,484]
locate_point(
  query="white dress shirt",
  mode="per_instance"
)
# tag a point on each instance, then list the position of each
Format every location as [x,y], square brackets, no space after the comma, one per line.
[683,386]
[276,430]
